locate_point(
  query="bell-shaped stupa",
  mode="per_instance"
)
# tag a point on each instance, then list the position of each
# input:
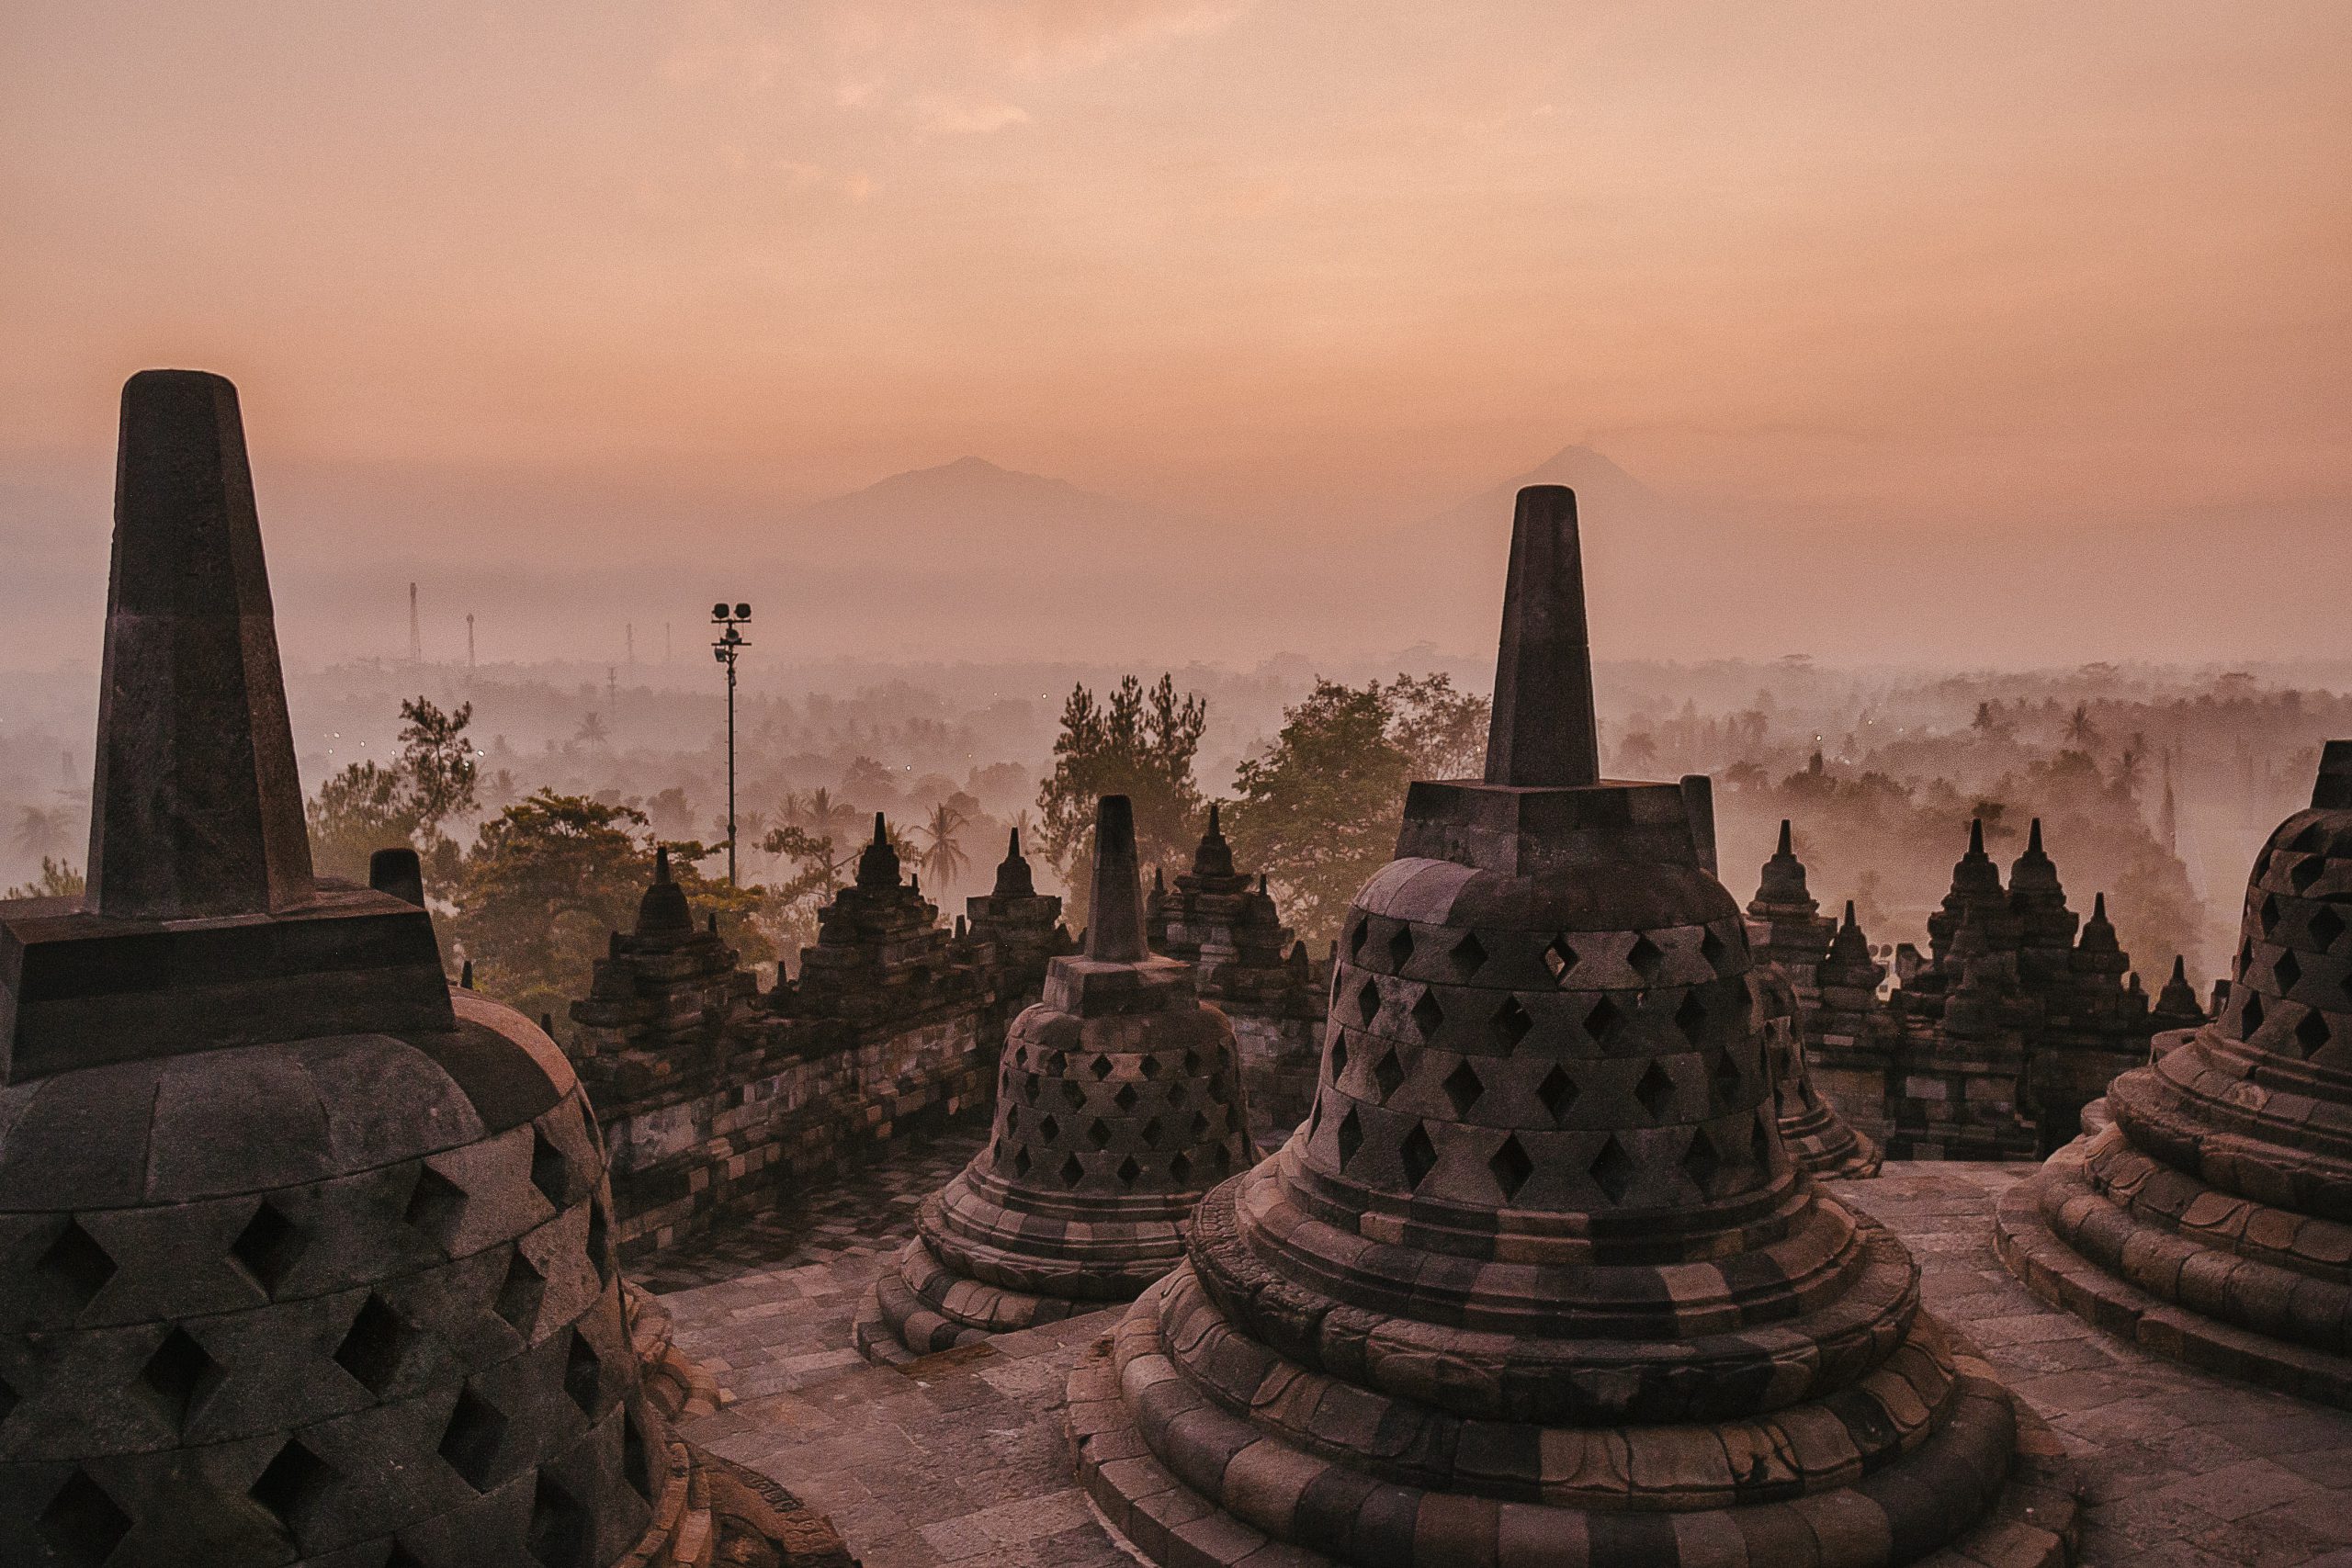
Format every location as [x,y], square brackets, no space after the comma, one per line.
[304,1258]
[2206,1212]
[1819,1141]
[1119,1103]
[1536,1282]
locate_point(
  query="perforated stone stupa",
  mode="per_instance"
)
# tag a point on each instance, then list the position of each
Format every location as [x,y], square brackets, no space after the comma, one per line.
[1119,1102]
[2206,1212]
[303,1258]
[1536,1282]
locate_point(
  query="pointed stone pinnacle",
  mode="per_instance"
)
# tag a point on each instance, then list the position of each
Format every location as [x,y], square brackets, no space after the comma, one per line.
[880,836]
[2179,970]
[1976,835]
[1212,818]
[1013,845]
[2098,906]
[2332,790]
[660,862]
[1114,925]
[465,975]
[1850,912]
[1787,846]
[399,873]
[1543,732]
[195,808]
[2033,838]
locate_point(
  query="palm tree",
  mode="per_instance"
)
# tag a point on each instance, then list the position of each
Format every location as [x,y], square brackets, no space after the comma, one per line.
[945,859]
[826,817]
[2080,729]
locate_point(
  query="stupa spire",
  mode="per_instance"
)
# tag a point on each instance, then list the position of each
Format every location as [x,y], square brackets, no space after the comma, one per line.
[196,806]
[1543,732]
[1114,925]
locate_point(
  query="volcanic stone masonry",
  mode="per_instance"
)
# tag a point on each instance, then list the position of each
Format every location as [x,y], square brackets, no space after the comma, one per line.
[1249,966]
[1784,922]
[1119,1102]
[713,1095]
[1991,1047]
[303,1257]
[2206,1211]
[1536,1284]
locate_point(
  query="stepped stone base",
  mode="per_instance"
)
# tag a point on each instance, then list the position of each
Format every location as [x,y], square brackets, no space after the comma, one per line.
[1889,1517]
[898,1321]
[2060,1275]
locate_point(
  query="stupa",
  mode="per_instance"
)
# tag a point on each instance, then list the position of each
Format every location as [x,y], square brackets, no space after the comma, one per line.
[1819,1141]
[1119,1103]
[2206,1212]
[1536,1282]
[304,1256]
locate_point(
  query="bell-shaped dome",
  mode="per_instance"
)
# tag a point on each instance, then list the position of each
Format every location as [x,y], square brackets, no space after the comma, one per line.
[2211,1207]
[1539,1241]
[1119,1102]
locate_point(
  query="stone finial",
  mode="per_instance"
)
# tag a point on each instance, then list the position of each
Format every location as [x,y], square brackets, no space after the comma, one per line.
[1215,856]
[1787,847]
[399,873]
[1013,878]
[1115,921]
[195,808]
[662,911]
[1699,804]
[2332,790]
[465,975]
[1976,835]
[1544,732]
[879,865]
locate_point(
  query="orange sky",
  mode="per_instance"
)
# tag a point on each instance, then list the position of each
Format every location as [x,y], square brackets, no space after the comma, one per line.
[1924,265]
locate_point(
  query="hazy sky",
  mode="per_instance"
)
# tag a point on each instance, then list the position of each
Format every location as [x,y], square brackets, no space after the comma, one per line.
[1935,266]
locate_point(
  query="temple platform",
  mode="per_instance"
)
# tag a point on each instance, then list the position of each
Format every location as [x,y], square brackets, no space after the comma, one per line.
[962,1458]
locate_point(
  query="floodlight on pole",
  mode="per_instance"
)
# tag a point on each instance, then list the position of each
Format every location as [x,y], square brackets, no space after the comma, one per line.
[728,645]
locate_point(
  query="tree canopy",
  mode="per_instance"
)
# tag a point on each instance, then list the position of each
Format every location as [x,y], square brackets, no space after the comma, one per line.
[1139,744]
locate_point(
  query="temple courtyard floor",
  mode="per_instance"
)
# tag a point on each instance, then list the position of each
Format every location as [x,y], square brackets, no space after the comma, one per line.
[961,1458]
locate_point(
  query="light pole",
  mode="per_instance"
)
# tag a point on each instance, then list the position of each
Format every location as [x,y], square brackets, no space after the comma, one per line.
[729,644]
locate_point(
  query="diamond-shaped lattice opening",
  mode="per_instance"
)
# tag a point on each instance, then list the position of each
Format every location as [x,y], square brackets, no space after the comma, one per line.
[1419,1155]
[1759,1139]
[2288,969]
[291,1486]
[1654,1090]
[1100,1066]
[470,1441]
[1557,1092]
[1701,1163]
[1125,1099]
[1358,936]
[268,1247]
[1462,1086]
[177,1377]
[1098,1132]
[520,1293]
[1605,1022]
[600,1247]
[1072,1172]
[74,1265]
[1029,1091]
[1073,1093]
[1181,1167]
[1400,948]
[2306,872]
[1021,1162]
[2250,1018]
[1691,1016]
[1612,1170]
[402,1557]
[375,1345]
[551,1172]
[1222,1157]
[2310,841]
[435,1205]
[1021,1055]
[2326,925]
[1388,1073]
[1192,1064]
[1128,1171]
[1467,955]
[2313,1032]
[9,1398]
[637,1460]
[1177,1094]
[1148,1066]
[1726,1075]
[1713,949]
[584,1373]
[1057,1063]
[1011,1119]
[1050,1128]
[1152,1131]
[1427,1014]
[1368,1002]
[1644,957]
[1349,1137]
[1559,958]
[1510,1165]
[1510,1024]
[1339,1055]
[561,1532]
[81,1524]
[1221,1090]
[1200,1126]
[2266,916]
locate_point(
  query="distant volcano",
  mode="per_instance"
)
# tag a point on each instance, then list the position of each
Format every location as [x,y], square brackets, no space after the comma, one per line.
[972,515]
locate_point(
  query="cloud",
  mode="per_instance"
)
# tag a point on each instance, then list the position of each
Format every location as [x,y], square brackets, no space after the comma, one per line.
[954,117]
[1063,35]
